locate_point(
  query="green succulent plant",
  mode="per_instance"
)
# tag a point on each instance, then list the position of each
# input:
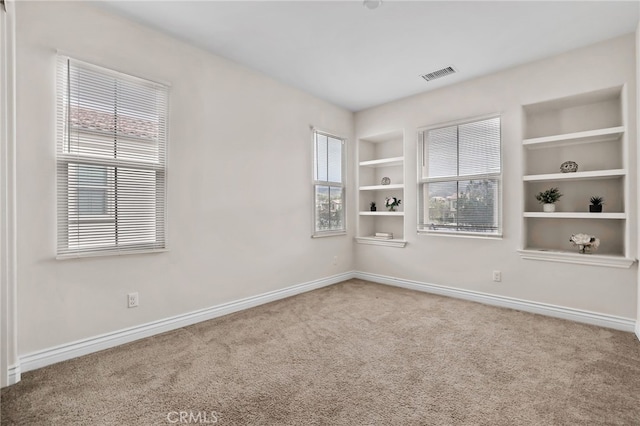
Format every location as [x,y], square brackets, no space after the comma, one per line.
[549,196]
[596,200]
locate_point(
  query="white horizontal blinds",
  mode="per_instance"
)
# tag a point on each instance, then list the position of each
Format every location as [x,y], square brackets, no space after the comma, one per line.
[328,182]
[462,182]
[328,163]
[479,147]
[111,160]
[321,154]
[115,116]
[443,152]
[334,160]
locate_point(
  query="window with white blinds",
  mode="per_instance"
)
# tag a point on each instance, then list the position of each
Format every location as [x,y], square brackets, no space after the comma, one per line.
[328,184]
[111,161]
[461,179]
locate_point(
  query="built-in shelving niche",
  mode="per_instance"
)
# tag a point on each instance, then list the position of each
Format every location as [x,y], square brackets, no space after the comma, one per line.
[380,156]
[589,129]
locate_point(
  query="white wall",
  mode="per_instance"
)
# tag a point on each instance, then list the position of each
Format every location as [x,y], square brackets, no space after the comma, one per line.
[638,162]
[468,263]
[239,182]
[9,365]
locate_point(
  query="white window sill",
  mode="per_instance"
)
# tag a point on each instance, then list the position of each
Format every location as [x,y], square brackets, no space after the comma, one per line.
[329,234]
[107,253]
[461,235]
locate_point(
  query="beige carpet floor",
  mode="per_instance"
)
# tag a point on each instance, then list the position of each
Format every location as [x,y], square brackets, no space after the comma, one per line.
[355,353]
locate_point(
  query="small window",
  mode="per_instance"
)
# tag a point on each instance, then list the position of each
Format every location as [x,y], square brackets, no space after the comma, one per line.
[92,187]
[461,179]
[111,162]
[328,184]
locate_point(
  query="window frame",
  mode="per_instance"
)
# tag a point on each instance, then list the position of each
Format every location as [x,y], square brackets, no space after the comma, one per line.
[423,223]
[316,233]
[68,194]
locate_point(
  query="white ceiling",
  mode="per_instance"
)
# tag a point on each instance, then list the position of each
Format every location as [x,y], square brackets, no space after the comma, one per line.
[357,58]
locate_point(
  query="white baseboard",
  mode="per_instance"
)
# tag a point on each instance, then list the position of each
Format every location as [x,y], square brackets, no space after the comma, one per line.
[638,328]
[594,318]
[71,350]
[13,375]
[78,348]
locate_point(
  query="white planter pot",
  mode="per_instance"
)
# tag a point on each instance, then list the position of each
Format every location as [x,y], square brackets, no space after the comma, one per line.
[549,208]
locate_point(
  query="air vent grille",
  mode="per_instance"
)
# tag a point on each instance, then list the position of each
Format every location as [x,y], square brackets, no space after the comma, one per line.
[440,73]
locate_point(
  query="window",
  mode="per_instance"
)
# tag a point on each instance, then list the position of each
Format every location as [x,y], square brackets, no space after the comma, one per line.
[91,189]
[111,161]
[461,178]
[328,184]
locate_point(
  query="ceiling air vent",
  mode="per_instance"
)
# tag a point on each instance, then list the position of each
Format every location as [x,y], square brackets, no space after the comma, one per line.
[440,73]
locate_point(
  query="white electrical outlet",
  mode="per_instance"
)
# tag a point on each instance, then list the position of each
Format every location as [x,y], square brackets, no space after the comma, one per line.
[497,276]
[132,300]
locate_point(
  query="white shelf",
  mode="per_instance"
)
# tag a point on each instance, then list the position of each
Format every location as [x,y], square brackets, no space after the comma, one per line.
[574,257]
[380,187]
[575,215]
[381,242]
[563,128]
[381,213]
[380,157]
[383,162]
[595,174]
[589,136]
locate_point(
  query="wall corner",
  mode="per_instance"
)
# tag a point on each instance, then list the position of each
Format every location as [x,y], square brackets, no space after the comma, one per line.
[9,363]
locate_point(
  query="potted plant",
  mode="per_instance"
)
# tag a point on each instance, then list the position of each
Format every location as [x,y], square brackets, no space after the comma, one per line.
[391,203]
[372,206]
[596,204]
[548,199]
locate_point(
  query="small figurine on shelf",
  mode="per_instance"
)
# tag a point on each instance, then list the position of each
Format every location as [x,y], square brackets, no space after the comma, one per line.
[569,167]
[391,203]
[586,243]
[372,206]
[596,204]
